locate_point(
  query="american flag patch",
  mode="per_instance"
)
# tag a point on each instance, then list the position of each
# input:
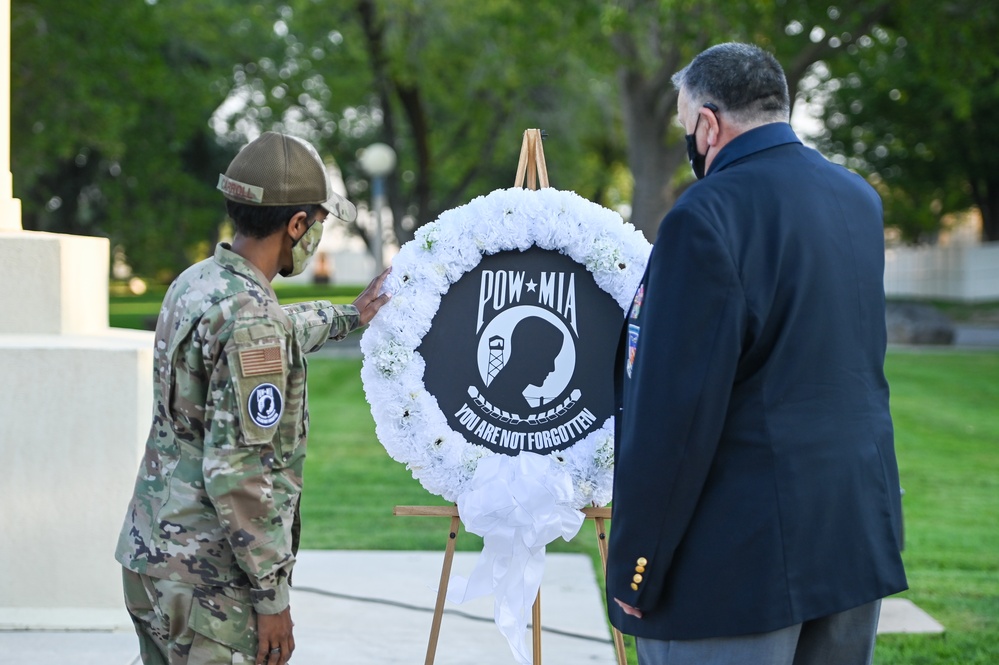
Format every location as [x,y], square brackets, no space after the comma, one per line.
[261,360]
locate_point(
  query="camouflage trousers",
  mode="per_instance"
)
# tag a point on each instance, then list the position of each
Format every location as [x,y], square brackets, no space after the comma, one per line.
[186,624]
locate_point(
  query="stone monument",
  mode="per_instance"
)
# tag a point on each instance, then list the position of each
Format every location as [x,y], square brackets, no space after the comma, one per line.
[75,407]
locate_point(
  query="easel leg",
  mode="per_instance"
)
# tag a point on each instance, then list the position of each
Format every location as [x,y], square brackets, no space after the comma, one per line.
[536,620]
[435,629]
[602,546]
[531,166]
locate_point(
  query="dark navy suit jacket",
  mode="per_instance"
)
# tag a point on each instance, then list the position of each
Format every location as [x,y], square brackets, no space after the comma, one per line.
[756,485]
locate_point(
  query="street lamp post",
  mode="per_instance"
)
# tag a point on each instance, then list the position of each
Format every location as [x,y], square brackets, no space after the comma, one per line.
[378,160]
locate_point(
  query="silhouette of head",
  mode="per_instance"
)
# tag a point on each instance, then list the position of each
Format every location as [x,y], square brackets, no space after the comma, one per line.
[533,346]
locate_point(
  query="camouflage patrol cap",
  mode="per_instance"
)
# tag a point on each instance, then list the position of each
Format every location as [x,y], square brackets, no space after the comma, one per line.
[277,170]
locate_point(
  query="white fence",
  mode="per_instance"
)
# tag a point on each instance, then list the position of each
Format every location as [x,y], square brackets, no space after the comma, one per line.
[964,273]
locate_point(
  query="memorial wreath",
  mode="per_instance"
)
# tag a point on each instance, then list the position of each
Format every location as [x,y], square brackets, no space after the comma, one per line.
[408,418]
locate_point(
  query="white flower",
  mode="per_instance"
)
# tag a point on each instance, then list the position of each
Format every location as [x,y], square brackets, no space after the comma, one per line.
[392,357]
[604,454]
[427,237]
[604,256]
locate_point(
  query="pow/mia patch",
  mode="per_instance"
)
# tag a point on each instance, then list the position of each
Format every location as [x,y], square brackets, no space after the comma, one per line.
[265,405]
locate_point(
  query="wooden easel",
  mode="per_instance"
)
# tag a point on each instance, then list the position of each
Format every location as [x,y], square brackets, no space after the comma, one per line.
[598,515]
[532,168]
[532,161]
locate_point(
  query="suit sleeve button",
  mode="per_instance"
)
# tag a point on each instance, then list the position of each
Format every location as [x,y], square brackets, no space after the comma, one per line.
[634,587]
[642,561]
[637,578]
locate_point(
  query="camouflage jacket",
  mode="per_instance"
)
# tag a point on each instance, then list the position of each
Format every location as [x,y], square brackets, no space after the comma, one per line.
[216,497]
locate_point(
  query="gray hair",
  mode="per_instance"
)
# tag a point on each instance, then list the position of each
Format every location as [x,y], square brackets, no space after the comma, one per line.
[744,81]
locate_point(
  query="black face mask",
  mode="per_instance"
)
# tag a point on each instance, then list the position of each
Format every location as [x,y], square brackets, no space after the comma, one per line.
[697,159]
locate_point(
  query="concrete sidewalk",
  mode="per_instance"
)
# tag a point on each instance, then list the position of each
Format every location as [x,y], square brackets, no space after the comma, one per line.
[361,607]
[969,335]
[377,607]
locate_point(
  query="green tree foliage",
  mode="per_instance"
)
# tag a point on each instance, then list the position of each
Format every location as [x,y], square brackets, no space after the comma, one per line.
[109,110]
[123,114]
[652,39]
[451,85]
[915,113]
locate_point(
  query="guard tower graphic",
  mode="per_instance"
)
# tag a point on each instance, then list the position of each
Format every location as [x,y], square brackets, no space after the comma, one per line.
[496,346]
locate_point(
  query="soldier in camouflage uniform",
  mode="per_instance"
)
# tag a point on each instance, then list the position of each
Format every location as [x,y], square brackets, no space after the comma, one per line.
[211,533]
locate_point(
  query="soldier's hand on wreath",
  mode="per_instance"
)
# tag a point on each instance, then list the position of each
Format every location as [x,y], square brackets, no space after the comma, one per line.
[275,642]
[369,302]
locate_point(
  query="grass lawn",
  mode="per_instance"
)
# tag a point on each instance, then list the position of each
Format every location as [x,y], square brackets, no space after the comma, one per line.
[946,410]
[126,310]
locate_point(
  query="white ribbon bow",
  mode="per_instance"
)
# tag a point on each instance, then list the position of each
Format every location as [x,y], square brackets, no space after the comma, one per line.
[518,505]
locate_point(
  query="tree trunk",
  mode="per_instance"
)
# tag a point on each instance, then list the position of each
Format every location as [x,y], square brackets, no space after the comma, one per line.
[412,108]
[988,205]
[985,194]
[648,107]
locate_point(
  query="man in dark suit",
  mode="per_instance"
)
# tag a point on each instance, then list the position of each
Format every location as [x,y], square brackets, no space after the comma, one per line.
[756,512]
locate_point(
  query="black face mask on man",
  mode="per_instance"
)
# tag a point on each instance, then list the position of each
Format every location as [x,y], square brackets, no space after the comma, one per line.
[697,159]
